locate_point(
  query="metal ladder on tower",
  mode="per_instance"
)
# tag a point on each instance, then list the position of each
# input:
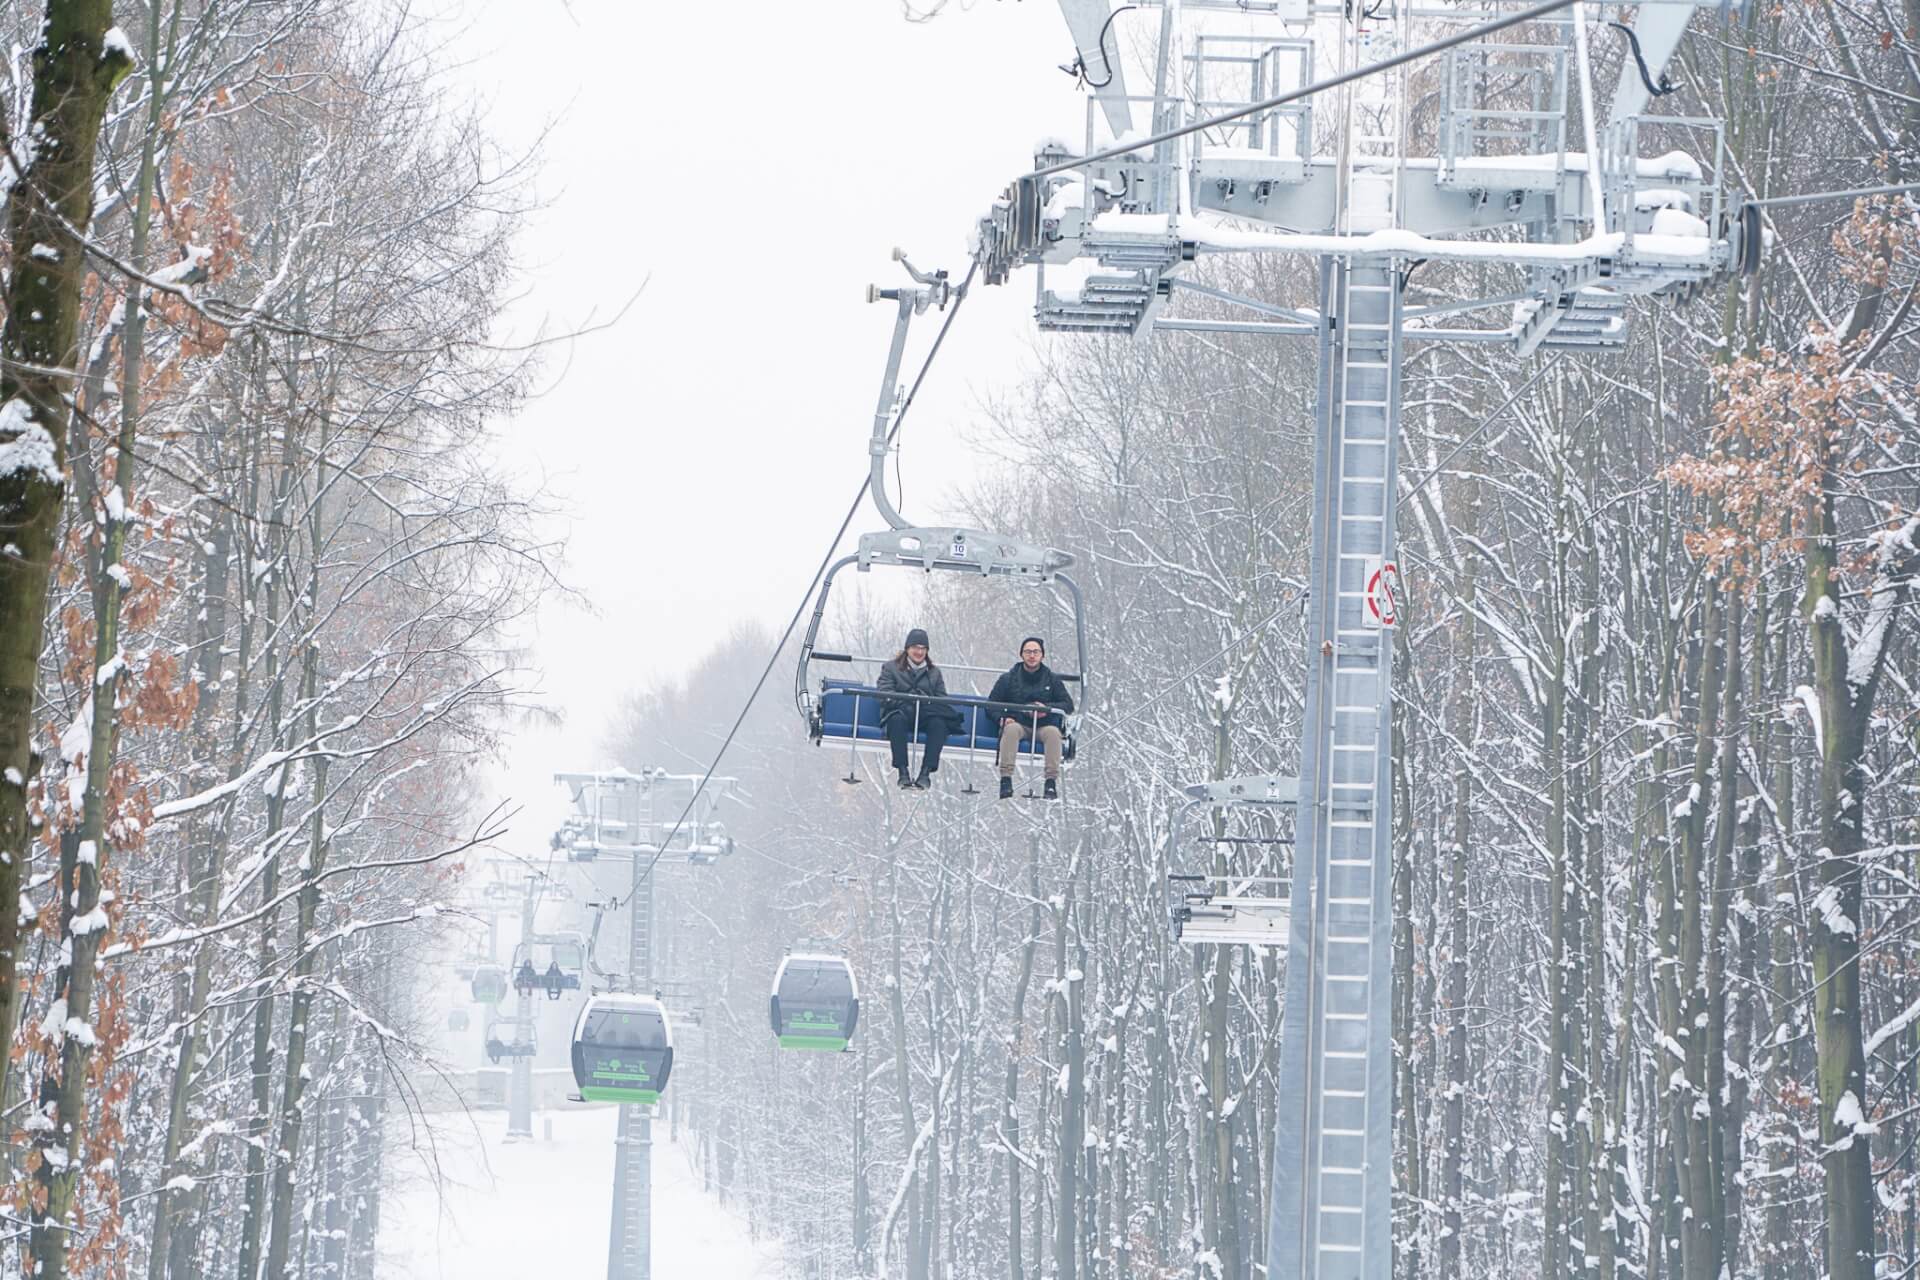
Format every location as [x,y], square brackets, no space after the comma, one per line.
[1331,1216]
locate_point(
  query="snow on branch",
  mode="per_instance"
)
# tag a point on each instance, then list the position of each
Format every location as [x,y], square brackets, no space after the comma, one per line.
[1894,554]
[1891,1028]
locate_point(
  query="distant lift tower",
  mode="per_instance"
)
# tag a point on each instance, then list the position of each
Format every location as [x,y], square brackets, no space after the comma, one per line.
[1571,232]
[630,818]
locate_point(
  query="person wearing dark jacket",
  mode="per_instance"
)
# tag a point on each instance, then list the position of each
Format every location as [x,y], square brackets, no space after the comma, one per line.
[1031,683]
[912,672]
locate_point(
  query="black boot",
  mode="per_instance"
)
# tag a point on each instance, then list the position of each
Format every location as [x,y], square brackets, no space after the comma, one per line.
[924,781]
[1053,789]
[1006,788]
[906,780]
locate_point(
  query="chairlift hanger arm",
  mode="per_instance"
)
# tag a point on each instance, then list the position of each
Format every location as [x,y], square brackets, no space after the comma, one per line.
[934,292]
[802,690]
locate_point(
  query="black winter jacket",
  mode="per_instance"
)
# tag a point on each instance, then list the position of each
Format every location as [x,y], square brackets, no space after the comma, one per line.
[928,682]
[1039,685]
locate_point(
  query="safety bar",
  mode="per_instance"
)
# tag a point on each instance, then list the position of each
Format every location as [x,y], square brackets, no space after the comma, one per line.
[822,656]
[987,704]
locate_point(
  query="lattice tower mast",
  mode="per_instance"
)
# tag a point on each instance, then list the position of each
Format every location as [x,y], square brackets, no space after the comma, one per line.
[1577,226]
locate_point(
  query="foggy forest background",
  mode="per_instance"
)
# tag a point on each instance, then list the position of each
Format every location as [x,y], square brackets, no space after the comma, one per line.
[1655,753]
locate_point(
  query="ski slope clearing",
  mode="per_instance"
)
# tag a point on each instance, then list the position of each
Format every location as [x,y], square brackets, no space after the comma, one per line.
[507,1211]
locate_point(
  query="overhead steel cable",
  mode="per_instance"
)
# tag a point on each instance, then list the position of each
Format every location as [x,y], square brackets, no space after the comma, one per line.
[1319,86]
[1815,197]
[773,659]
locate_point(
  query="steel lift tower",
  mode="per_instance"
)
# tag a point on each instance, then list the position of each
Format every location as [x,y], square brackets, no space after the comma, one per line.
[1574,227]
[631,818]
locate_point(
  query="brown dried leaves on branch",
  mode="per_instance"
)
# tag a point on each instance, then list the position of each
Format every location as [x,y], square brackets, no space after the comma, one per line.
[1792,429]
[1783,423]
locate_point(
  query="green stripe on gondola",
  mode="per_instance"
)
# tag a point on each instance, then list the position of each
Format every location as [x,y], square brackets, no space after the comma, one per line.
[823,1044]
[595,1093]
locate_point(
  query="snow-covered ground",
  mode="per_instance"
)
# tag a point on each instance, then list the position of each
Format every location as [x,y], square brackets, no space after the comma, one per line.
[511,1211]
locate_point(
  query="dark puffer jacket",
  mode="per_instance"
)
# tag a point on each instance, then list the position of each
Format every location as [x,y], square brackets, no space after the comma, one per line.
[927,682]
[1038,685]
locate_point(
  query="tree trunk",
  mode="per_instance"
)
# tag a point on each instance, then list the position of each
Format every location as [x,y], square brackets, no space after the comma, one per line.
[1409,1120]
[84,922]
[1016,1039]
[903,1082]
[208,841]
[862,1249]
[1722,887]
[300,1008]
[1221,1221]
[260,1118]
[1692,1104]
[1555,1227]
[1072,1017]
[1778,1248]
[75,71]
[1834,921]
[295,1072]
[205,842]
[1460,719]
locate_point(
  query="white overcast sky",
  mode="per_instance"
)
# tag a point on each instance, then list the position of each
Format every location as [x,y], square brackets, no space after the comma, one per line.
[753,162]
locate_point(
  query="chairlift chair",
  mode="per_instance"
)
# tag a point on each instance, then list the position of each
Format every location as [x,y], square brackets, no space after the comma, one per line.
[551,963]
[846,709]
[622,1049]
[1236,908]
[815,1003]
[569,951]
[498,1048]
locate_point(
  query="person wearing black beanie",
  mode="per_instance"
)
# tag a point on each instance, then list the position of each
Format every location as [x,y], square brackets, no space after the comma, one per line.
[1031,684]
[918,707]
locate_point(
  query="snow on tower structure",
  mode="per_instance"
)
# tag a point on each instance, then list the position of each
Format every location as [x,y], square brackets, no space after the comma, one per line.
[1520,174]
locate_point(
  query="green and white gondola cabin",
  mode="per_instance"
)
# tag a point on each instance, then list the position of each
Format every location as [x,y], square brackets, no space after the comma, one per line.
[622,1049]
[489,984]
[816,1003]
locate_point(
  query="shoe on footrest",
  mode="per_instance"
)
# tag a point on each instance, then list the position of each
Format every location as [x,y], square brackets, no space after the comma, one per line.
[1006,788]
[1053,789]
[906,780]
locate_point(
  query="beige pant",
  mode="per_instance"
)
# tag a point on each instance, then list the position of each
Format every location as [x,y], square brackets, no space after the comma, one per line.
[1014,731]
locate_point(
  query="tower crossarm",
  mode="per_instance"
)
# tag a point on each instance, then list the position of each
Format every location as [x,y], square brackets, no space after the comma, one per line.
[1499,178]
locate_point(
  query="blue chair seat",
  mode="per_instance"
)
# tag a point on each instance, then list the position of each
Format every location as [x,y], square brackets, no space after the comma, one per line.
[850,712]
